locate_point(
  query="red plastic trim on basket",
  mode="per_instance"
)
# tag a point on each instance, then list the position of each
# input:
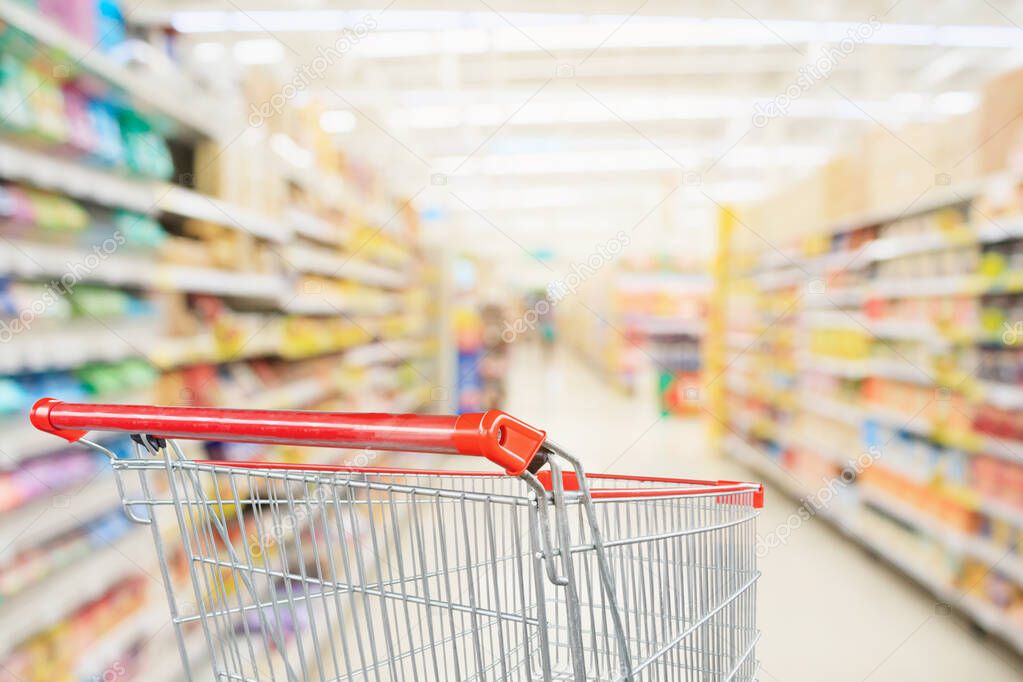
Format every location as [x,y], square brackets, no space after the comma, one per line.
[724,489]
[571,482]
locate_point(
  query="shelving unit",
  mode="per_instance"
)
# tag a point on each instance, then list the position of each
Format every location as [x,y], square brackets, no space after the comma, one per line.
[310,304]
[643,316]
[178,107]
[886,330]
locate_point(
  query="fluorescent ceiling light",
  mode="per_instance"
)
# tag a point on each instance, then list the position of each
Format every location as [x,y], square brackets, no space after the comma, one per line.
[418,34]
[576,162]
[555,110]
[558,196]
[254,21]
[338,121]
[472,32]
[632,160]
[955,103]
[260,51]
[208,53]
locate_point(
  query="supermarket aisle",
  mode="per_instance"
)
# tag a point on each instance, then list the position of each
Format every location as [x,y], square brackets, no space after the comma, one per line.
[828,611]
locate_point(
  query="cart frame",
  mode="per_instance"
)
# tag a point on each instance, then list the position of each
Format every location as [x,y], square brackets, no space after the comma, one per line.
[542,572]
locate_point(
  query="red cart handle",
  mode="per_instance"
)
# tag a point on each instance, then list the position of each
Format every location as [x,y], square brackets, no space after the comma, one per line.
[501,438]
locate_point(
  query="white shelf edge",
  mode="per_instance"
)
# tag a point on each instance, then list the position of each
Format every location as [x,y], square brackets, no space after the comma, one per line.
[149,92]
[188,203]
[108,187]
[65,591]
[985,615]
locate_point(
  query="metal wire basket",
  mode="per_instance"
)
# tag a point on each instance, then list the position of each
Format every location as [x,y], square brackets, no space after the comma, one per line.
[303,572]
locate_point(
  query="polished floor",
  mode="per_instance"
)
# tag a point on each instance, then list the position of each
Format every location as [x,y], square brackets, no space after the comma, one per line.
[828,611]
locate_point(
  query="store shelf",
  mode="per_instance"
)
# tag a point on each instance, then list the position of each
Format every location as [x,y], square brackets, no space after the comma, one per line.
[776,474]
[411,400]
[988,232]
[899,421]
[937,197]
[889,329]
[1001,510]
[253,285]
[986,616]
[51,348]
[1001,559]
[896,369]
[898,330]
[307,225]
[21,440]
[187,203]
[926,287]
[383,352]
[138,627]
[321,261]
[293,395]
[834,319]
[51,600]
[1009,396]
[830,297]
[1005,448]
[333,305]
[51,515]
[77,179]
[35,261]
[929,525]
[781,279]
[667,282]
[369,293]
[826,451]
[66,176]
[899,369]
[898,247]
[170,99]
[846,369]
[668,327]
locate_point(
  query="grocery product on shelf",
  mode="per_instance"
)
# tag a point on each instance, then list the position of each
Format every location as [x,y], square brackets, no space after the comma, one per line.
[664,307]
[20,571]
[47,475]
[643,315]
[678,358]
[56,653]
[902,330]
[131,274]
[60,113]
[469,337]
[494,365]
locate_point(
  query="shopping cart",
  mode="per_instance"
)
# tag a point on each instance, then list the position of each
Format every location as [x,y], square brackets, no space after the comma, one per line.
[354,572]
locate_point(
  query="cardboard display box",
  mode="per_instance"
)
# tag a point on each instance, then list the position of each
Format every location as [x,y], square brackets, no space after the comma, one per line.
[1001,124]
[957,147]
[902,166]
[846,190]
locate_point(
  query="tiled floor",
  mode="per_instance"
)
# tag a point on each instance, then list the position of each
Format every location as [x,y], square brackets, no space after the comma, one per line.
[828,611]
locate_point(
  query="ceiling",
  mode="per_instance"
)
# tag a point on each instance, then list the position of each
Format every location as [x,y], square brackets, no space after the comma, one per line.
[559,123]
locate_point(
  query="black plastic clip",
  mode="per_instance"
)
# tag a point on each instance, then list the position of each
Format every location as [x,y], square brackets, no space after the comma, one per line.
[151,443]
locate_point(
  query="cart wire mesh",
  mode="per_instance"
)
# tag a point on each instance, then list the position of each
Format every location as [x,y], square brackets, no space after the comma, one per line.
[328,574]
